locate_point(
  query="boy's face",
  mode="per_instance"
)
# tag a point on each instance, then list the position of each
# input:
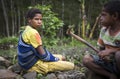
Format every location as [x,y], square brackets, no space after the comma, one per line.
[106,19]
[36,21]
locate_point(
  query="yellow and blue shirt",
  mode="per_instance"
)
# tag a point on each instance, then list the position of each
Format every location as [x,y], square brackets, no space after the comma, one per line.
[31,36]
[29,40]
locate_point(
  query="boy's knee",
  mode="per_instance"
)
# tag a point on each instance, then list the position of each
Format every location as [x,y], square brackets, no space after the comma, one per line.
[117,55]
[87,59]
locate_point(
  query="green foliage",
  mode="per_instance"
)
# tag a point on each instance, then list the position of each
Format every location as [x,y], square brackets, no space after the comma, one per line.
[50,41]
[9,40]
[10,54]
[39,76]
[8,48]
[51,24]
[21,29]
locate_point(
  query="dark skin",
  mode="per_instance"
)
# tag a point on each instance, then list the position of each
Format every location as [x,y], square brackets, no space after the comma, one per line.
[114,27]
[36,22]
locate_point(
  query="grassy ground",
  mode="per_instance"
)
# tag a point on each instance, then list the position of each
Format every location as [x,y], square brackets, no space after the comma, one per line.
[73,51]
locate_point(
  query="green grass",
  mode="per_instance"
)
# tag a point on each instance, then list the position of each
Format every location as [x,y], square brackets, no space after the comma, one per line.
[9,40]
[10,52]
[73,50]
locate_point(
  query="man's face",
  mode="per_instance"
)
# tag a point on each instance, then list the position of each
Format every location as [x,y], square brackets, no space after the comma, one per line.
[106,19]
[36,21]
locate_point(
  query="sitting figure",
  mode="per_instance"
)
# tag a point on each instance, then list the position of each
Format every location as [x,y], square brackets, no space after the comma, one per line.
[109,43]
[32,56]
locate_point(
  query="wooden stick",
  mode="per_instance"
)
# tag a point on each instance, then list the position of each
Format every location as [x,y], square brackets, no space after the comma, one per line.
[81,40]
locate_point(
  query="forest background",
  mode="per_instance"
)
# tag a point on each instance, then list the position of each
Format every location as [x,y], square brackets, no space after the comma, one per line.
[57,16]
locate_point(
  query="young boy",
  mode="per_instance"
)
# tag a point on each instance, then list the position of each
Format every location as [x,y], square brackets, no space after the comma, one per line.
[31,54]
[109,43]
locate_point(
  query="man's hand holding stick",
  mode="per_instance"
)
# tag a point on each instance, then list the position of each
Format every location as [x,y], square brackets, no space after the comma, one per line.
[108,58]
[81,39]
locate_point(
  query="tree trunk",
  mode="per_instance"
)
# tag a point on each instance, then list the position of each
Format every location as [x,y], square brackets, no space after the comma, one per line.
[93,29]
[62,18]
[5,17]
[12,12]
[83,18]
[79,25]
[15,22]
[18,27]
[23,18]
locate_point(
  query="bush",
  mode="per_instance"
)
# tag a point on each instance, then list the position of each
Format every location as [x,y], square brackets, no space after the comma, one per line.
[51,24]
[8,42]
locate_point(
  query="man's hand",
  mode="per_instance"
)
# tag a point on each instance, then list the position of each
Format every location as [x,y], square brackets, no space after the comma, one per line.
[105,55]
[70,29]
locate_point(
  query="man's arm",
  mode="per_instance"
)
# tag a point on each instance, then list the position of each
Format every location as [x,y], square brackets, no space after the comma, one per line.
[40,50]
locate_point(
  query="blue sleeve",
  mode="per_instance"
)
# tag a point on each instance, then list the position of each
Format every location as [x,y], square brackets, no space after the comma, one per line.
[48,56]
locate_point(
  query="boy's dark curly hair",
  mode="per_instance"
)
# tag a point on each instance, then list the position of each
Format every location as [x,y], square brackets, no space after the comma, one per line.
[112,7]
[31,13]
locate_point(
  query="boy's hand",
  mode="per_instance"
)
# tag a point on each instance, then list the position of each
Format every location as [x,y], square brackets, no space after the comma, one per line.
[68,31]
[105,55]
